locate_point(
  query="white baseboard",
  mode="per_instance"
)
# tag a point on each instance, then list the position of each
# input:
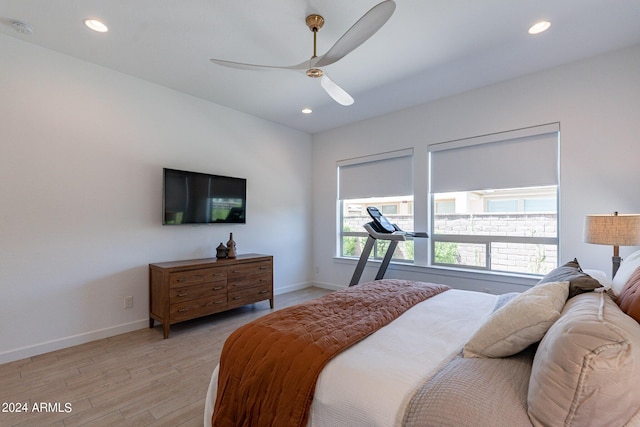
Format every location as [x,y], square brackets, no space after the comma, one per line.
[297,287]
[46,347]
[331,286]
[291,288]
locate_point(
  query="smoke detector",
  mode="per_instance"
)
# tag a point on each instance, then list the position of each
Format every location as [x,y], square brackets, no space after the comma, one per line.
[21,27]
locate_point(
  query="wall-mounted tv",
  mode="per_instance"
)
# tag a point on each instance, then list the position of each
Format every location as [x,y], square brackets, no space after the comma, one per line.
[200,198]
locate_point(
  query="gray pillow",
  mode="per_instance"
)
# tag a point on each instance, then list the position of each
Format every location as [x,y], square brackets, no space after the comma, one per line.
[579,281]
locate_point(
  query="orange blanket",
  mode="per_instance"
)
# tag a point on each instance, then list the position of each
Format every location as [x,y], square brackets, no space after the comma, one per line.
[269,367]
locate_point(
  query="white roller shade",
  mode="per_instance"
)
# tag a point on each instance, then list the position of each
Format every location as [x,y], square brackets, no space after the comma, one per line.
[521,158]
[381,175]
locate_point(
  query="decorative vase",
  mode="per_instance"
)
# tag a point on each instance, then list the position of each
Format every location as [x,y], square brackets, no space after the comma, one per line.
[231,247]
[221,251]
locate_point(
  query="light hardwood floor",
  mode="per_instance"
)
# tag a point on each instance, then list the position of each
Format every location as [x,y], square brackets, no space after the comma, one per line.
[136,379]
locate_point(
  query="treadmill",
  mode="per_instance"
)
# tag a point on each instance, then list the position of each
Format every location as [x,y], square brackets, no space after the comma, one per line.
[380,229]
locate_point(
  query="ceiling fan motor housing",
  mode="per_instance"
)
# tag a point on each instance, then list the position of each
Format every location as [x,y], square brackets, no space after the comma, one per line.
[314,72]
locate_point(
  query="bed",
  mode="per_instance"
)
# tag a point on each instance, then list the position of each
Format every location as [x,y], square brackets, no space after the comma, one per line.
[561,353]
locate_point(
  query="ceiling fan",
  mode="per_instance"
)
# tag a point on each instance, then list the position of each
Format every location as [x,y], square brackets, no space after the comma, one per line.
[359,32]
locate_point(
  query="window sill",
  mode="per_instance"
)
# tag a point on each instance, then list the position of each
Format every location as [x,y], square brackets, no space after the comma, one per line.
[486,280]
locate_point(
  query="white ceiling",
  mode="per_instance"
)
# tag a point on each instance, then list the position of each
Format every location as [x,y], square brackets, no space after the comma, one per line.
[427,50]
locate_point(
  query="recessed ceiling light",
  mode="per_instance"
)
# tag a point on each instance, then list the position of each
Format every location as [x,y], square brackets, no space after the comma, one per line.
[539,27]
[307,111]
[21,27]
[96,25]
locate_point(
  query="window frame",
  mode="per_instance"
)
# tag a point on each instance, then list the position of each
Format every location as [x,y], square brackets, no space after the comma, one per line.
[488,240]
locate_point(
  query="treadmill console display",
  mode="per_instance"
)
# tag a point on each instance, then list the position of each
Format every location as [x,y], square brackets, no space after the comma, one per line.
[380,223]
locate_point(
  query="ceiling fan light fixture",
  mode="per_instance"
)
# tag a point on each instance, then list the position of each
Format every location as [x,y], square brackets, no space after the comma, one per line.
[306,111]
[539,27]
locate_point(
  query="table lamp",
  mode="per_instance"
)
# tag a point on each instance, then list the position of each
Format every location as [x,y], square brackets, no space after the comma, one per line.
[616,230]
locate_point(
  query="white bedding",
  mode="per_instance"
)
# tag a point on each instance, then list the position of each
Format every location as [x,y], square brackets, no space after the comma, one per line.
[370,383]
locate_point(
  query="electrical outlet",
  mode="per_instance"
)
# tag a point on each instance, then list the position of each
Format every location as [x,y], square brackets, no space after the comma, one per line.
[128,302]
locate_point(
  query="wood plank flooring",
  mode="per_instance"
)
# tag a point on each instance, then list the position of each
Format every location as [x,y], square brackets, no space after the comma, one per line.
[136,379]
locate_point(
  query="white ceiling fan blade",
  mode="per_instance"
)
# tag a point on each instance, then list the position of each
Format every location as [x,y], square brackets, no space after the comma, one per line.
[336,92]
[242,66]
[364,28]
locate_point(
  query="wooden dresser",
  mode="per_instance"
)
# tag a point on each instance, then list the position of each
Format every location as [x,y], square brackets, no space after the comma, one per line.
[184,290]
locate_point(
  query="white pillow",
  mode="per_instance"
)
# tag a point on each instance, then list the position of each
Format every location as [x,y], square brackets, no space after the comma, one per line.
[627,267]
[520,323]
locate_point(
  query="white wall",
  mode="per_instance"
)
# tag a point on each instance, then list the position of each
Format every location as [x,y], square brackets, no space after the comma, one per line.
[596,101]
[81,155]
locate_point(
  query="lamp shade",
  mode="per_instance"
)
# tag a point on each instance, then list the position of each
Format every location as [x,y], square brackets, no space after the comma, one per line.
[615,230]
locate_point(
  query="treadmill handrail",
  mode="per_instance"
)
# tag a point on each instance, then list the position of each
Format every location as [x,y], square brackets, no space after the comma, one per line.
[396,235]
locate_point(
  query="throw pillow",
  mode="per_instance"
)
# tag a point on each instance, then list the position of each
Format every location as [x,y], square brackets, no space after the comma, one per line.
[629,299]
[586,369]
[579,281]
[628,266]
[521,322]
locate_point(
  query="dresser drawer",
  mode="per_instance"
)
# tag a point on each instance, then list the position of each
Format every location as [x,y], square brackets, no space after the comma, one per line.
[249,295]
[196,308]
[194,277]
[249,282]
[249,269]
[188,293]
[249,275]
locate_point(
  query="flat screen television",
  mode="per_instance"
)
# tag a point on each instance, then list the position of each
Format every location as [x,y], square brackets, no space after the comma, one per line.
[200,198]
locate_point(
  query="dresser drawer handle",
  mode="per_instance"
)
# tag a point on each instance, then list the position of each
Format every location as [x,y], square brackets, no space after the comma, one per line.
[219,274]
[181,279]
[237,297]
[237,271]
[263,291]
[264,268]
[217,288]
[183,310]
[218,302]
[182,295]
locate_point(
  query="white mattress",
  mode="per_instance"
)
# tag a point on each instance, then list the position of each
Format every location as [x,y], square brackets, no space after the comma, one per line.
[370,383]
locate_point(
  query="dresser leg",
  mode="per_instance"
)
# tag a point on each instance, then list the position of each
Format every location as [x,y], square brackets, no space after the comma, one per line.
[271,302]
[150,322]
[165,330]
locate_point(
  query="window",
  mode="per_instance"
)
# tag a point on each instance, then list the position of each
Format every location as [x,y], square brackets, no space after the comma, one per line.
[384,181]
[504,214]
